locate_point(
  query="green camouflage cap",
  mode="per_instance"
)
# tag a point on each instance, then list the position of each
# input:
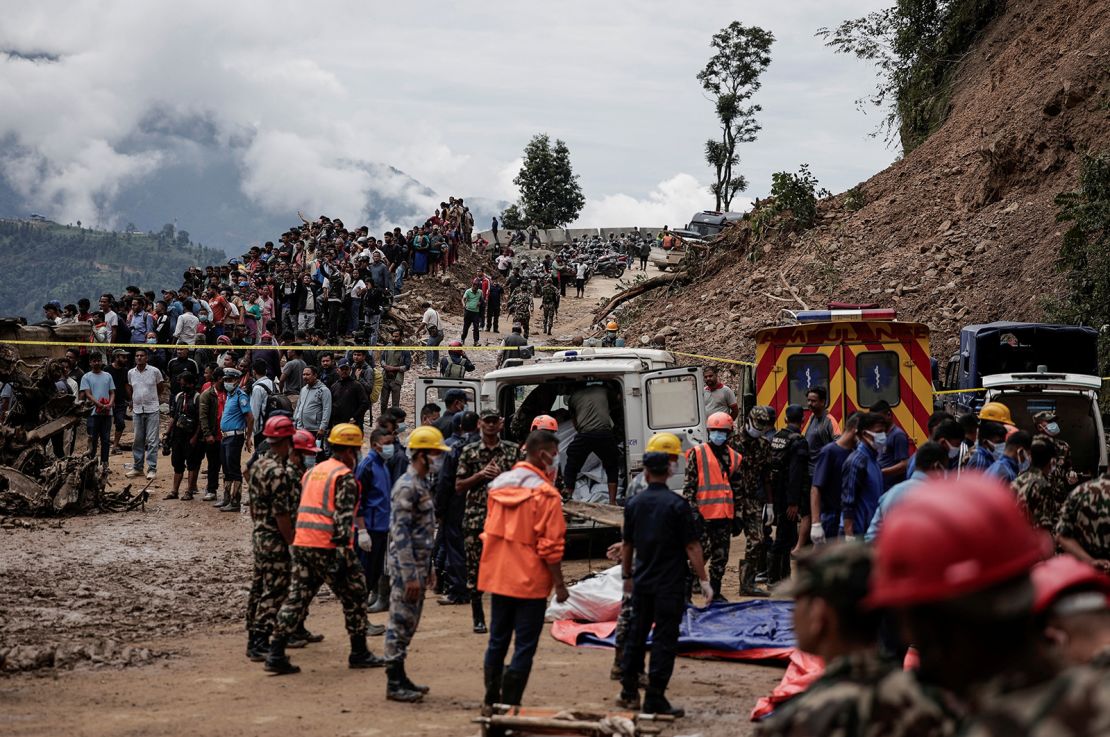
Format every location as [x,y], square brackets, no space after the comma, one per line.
[1045,416]
[838,572]
[761,416]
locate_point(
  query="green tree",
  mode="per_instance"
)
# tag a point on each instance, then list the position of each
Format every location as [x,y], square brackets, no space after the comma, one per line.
[511,219]
[549,192]
[1085,252]
[731,76]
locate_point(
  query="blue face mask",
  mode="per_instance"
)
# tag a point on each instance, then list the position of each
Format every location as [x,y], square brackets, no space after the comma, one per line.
[1052,428]
[1023,466]
[880,440]
[718,437]
[401,427]
[387,451]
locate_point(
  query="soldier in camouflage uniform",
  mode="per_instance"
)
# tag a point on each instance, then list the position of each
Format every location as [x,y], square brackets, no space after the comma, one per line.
[323,552]
[480,463]
[1084,525]
[521,306]
[754,493]
[273,493]
[550,305]
[412,530]
[1063,476]
[859,693]
[1034,489]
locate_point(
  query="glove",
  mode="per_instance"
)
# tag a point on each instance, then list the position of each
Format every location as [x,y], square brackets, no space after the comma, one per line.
[817,533]
[768,515]
[706,590]
[364,540]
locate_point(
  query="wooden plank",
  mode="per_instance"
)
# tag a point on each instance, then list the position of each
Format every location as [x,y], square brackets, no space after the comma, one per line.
[604,514]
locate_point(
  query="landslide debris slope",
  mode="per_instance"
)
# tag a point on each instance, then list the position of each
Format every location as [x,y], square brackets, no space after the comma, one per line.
[961,230]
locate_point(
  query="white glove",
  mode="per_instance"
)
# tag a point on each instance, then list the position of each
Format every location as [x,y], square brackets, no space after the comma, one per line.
[706,590]
[817,533]
[768,514]
[364,539]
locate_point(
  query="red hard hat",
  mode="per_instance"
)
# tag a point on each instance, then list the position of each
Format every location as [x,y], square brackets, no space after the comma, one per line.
[306,441]
[1057,575]
[950,538]
[719,421]
[278,426]
[545,422]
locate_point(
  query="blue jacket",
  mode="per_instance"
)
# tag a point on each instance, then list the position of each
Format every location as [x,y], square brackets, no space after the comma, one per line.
[890,498]
[862,486]
[373,505]
[1004,468]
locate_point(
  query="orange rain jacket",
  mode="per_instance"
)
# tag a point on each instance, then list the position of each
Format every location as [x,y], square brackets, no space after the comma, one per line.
[525,531]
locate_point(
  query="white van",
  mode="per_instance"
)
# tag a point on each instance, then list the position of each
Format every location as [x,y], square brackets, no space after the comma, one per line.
[648,393]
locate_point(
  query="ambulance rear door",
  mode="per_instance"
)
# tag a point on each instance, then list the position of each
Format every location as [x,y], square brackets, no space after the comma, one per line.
[671,401]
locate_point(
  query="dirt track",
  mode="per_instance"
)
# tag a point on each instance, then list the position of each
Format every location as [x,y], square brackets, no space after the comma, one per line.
[163,591]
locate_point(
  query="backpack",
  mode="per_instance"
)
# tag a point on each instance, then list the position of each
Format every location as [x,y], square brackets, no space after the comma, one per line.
[185,423]
[454,370]
[274,402]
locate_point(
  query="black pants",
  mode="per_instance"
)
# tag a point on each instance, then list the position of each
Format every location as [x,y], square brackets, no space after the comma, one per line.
[643,263]
[471,317]
[665,610]
[336,319]
[579,287]
[493,316]
[509,616]
[601,444]
[786,533]
[562,286]
[373,563]
[100,434]
[212,458]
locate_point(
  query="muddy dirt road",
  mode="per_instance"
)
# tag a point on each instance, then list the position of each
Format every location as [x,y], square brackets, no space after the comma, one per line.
[131,624]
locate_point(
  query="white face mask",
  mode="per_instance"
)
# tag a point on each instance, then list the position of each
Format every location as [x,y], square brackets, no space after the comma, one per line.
[435,464]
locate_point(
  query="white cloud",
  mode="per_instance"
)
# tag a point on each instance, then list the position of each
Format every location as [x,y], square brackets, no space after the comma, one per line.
[671,203]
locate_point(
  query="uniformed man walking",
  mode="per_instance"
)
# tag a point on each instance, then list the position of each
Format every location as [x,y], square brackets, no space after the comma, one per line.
[273,494]
[790,487]
[550,304]
[412,530]
[521,305]
[323,552]
[754,494]
[711,485]
[480,463]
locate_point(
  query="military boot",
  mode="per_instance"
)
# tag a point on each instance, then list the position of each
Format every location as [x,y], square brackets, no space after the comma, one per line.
[394,688]
[616,673]
[718,597]
[656,703]
[748,586]
[512,687]
[479,614]
[258,646]
[629,699]
[360,656]
[226,498]
[381,603]
[235,497]
[407,682]
[276,660]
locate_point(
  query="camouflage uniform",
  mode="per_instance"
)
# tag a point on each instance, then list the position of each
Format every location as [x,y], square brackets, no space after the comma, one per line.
[521,306]
[550,301]
[1063,467]
[338,567]
[472,458]
[1085,517]
[412,531]
[1037,496]
[859,693]
[1074,702]
[755,474]
[272,490]
[716,534]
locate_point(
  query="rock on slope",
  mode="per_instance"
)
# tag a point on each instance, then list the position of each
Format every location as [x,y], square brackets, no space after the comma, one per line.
[962,230]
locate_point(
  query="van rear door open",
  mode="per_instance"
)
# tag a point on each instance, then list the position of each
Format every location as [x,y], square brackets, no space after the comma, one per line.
[432,390]
[672,402]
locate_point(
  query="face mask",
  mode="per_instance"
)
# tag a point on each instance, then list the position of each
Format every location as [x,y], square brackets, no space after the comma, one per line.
[1023,465]
[718,437]
[436,464]
[879,439]
[402,426]
[387,451]
[229,386]
[151,340]
[672,469]
[753,432]
[953,453]
[1052,428]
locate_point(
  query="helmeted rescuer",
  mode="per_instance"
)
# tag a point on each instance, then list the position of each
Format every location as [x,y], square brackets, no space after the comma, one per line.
[323,552]
[612,339]
[545,422]
[658,538]
[998,412]
[755,493]
[953,562]
[711,483]
[412,530]
[858,687]
[522,553]
[1072,602]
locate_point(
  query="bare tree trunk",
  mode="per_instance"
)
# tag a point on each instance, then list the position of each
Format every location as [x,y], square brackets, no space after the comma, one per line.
[660,281]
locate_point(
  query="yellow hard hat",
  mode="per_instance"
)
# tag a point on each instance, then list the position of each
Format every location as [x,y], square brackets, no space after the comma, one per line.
[665,442]
[427,437]
[612,325]
[996,412]
[345,434]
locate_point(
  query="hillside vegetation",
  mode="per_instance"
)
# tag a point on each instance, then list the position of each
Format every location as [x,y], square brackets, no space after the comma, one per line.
[44,261]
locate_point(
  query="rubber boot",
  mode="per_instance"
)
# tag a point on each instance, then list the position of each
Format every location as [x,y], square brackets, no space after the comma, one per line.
[774,569]
[226,498]
[236,495]
[394,689]
[258,646]
[512,687]
[276,660]
[407,682]
[360,656]
[479,614]
[493,688]
[655,702]
[718,597]
[748,586]
[381,604]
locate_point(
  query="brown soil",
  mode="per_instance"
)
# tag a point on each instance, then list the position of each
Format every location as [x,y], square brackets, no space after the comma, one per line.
[131,624]
[960,231]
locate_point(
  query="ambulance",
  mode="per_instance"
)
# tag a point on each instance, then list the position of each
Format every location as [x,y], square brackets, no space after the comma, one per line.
[859,356]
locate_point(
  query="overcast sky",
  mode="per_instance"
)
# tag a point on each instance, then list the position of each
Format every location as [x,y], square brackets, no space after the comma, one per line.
[449,94]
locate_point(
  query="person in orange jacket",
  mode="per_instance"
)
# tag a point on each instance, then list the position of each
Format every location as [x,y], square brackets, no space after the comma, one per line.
[522,553]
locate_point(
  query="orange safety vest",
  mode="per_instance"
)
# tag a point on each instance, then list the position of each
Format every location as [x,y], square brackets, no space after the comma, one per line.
[714,492]
[316,513]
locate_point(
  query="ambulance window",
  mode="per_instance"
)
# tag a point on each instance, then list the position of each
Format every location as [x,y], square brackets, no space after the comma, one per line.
[806,371]
[877,378]
[672,401]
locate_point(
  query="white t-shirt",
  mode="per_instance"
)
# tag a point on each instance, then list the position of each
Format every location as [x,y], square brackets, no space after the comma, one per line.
[144,388]
[358,289]
[111,319]
[504,263]
[431,318]
[580,271]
